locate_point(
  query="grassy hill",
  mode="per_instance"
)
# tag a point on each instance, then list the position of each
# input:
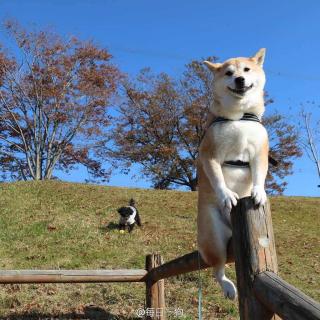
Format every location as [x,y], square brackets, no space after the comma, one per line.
[51,225]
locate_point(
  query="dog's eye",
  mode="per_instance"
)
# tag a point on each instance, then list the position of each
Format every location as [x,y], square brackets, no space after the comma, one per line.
[246,69]
[229,73]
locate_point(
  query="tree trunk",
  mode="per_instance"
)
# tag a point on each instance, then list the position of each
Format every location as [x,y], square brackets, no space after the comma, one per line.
[194,184]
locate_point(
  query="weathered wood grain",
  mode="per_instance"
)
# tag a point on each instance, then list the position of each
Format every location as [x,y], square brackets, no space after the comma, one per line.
[187,263]
[287,301]
[155,299]
[254,251]
[71,276]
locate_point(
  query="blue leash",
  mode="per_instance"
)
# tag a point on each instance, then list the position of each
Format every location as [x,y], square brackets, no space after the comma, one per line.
[199,290]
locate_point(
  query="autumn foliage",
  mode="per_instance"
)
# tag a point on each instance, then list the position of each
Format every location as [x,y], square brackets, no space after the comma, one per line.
[162,122]
[54,98]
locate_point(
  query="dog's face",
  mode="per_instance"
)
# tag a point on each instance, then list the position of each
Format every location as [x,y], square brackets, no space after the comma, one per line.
[125,212]
[239,78]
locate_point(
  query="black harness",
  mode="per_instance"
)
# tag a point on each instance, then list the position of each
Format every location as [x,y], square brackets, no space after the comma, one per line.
[246,117]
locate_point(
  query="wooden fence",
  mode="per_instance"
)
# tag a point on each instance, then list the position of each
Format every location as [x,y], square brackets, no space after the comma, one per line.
[263,295]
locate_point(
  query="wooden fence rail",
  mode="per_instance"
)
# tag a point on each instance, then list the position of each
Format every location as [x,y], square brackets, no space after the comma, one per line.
[71,276]
[187,263]
[285,300]
[263,295]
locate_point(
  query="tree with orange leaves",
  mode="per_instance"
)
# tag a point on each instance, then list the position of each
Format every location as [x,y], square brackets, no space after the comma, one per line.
[163,120]
[54,98]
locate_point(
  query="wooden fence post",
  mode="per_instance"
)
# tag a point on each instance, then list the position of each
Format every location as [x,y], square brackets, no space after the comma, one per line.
[155,301]
[254,252]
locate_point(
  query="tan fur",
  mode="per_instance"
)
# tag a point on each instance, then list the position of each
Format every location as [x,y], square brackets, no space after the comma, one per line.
[220,185]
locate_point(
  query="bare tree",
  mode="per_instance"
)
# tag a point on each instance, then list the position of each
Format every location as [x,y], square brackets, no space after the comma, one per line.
[310,138]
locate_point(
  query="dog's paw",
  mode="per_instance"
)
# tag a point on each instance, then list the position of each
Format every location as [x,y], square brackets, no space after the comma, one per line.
[259,195]
[229,289]
[227,199]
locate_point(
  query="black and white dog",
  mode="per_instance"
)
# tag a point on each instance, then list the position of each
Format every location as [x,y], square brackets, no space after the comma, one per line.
[129,216]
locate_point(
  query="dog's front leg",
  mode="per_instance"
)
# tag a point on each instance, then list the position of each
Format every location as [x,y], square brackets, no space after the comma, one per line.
[225,197]
[259,169]
[130,227]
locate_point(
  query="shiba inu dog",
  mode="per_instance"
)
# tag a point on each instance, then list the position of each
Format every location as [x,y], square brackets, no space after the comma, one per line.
[233,156]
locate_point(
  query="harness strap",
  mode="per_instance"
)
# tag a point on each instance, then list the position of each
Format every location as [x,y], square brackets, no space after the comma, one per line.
[273,161]
[246,117]
[237,163]
[242,164]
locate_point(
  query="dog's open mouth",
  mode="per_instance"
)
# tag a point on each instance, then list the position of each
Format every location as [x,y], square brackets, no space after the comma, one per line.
[240,91]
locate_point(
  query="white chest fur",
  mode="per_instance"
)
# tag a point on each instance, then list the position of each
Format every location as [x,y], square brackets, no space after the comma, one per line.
[131,218]
[238,140]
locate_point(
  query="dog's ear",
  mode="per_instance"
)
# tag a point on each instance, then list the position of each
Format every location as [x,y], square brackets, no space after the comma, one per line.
[214,67]
[259,56]
[120,209]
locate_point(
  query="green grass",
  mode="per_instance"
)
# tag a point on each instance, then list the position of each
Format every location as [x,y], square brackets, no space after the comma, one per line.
[51,225]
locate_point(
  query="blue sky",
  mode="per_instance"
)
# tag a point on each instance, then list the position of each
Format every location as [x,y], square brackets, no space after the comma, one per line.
[166,35]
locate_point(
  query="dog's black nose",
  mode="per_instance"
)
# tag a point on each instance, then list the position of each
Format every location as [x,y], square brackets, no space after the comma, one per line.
[239,81]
